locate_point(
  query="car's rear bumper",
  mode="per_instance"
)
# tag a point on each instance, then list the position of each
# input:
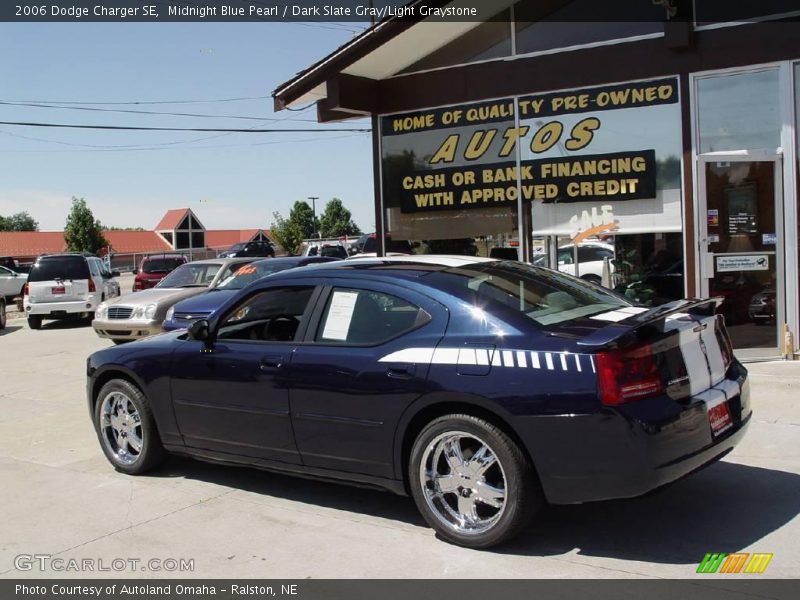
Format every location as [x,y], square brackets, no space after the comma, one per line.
[628,452]
[55,310]
[125,329]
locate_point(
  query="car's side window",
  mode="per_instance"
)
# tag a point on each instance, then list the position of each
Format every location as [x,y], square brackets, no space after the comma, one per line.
[365,318]
[273,315]
[566,257]
[589,254]
[93,268]
[4,272]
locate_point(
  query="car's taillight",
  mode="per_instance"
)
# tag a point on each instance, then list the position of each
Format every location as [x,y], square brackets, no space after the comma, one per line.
[25,290]
[627,375]
[92,286]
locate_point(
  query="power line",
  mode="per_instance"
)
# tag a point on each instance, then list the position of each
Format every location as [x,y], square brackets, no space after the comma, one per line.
[148,112]
[136,102]
[200,129]
[158,147]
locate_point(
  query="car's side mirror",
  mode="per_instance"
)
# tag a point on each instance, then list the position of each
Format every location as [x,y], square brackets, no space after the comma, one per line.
[201,332]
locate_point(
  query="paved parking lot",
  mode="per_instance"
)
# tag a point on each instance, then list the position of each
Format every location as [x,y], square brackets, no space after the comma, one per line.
[59,496]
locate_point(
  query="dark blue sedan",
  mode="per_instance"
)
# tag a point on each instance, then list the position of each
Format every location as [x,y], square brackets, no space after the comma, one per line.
[482,388]
[192,309]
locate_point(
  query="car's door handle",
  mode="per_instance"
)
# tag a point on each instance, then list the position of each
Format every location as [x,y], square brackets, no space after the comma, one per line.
[271,362]
[401,371]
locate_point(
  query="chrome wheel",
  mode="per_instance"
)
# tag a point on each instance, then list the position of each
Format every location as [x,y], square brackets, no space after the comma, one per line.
[121,428]
[463,482]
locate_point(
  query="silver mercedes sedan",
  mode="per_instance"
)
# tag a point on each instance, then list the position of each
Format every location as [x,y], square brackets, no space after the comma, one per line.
[140,314]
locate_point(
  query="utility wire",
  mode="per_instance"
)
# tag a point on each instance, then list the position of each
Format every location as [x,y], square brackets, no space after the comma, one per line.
[200,129]
[137,102]
[147,112]
[159,148]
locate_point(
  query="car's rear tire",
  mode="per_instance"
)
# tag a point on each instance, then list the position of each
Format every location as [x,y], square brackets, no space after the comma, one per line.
[126,428]
[35,322]
[472,483]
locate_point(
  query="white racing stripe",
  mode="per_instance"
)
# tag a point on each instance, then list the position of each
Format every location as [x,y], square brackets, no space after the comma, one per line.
[713,350]
[712,397]
[693,356]
[518,359]
[729,388]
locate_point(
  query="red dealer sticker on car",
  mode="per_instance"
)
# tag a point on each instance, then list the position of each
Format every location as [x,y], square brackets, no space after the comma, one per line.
[58,290]
[720,418]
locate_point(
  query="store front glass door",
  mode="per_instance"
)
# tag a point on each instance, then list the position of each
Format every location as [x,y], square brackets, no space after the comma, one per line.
[741,247]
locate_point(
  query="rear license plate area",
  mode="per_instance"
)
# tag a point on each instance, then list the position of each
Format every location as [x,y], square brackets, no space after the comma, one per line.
[719,417]
[56,291]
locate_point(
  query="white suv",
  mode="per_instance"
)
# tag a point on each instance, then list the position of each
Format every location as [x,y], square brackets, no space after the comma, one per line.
[64,285]
[590,259]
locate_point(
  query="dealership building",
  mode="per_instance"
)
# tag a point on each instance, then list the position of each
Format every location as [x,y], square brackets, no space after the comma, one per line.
[669,132]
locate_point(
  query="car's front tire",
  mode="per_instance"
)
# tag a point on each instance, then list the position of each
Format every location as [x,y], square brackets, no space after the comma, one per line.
[126,428]
[472,483]
[2,313]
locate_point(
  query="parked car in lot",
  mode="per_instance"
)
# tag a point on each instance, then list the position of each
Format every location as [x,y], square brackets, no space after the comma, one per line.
[249,249]
[762,308]
[60,286]
[154,268]
[327,249]
[590,259]
[186,312]
[482,388]
[139,315]
[11,283]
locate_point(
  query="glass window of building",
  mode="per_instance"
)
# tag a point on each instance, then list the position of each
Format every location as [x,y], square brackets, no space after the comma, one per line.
[739,111]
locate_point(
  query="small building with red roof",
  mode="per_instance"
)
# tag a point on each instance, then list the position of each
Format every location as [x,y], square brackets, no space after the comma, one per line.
[179,230]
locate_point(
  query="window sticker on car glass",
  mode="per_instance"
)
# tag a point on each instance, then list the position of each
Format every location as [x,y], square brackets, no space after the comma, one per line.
[340,315]
[246,270]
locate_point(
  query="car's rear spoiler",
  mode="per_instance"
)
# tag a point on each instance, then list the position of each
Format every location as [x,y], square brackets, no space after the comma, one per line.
[617,334]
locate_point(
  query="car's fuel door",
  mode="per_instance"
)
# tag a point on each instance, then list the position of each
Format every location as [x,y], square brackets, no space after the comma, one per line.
[475,359]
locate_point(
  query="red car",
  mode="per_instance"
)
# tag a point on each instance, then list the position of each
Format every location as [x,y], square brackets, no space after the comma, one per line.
[154,268]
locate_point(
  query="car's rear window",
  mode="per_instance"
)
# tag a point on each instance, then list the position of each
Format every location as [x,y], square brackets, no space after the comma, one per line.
[400,246]
[161,265]
[544,296]
[59,267]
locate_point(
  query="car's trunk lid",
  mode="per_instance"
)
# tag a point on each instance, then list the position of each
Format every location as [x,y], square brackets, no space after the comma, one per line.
[686,339]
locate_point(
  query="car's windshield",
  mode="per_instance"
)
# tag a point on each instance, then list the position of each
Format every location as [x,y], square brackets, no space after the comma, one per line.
[59,267]
[191,275]
[160,265]
[236,247]
[547,297]
[253,272]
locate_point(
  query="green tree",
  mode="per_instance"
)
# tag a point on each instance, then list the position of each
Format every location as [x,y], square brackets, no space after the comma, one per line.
[336,220]
[287,234]
[82,232]
[21,221]
[302,217]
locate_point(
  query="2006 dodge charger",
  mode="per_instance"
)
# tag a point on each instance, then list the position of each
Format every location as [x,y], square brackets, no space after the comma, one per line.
[482,388]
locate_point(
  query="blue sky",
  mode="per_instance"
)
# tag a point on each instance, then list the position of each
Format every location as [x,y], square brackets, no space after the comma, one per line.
[230,181]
